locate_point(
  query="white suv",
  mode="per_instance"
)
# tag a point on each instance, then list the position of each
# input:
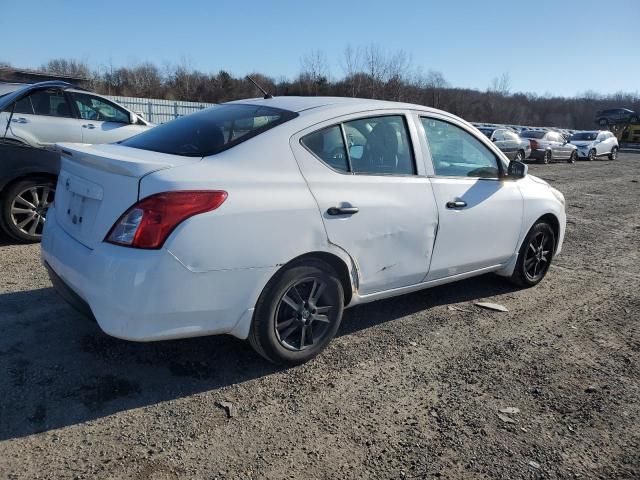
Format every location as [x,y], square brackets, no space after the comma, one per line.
[63,113]
[596,144]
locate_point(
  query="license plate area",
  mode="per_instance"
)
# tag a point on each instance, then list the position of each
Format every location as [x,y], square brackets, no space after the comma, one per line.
[77,204]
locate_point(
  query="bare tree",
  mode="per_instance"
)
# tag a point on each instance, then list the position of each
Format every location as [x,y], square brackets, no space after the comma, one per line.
[315,71]
[71,67]
[501,85]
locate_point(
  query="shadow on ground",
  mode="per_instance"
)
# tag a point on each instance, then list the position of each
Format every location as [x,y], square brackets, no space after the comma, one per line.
[60,369]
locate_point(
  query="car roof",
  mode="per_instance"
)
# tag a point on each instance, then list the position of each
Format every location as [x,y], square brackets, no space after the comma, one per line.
[301,104]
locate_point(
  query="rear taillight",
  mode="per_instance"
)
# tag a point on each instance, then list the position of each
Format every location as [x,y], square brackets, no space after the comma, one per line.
[534,144]
[148,223]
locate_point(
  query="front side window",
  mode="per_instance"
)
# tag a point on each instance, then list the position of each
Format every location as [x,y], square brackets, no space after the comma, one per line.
[457,153]
[99,110]
[210,131]
[50,103]
[375,146]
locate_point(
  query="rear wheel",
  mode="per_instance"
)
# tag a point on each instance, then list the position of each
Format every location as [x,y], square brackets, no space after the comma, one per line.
[535,255]
[24,207]
[614,153]
[298,313]
[592,155]
[546,159]
[573,157]
[519,156]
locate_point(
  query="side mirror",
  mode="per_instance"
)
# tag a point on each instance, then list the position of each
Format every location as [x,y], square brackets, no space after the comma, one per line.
[494,139]
[517,170]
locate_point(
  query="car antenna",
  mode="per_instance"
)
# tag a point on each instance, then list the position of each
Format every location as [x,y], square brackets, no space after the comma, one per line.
[265,93]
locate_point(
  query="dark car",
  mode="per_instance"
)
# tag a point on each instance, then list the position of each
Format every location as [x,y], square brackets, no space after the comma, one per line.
[508,141]
[28,176]
[616,115]
[547,146]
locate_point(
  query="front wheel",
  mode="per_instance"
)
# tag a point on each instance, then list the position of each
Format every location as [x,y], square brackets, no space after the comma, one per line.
[614,153]
[298,313]
[535,255]
[573,157]
[592,155]
[24,207]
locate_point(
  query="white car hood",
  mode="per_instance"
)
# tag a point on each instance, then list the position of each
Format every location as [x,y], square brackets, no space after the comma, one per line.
[582,143]
[535,179]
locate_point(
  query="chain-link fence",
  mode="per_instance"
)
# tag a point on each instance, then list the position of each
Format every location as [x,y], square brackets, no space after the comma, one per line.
[158,111]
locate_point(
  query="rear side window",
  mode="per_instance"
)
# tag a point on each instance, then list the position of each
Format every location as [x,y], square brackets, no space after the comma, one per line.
[50,103]
[375,146]
[210,131]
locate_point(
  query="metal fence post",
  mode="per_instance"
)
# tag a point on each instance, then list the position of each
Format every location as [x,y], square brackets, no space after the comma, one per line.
[175,110]
[150,111]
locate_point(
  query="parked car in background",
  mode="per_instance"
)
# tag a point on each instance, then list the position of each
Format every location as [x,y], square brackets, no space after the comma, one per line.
[509,142]
[616,115]
[596,144]
[547,146]
[353,201]
[60,112]
[32,119]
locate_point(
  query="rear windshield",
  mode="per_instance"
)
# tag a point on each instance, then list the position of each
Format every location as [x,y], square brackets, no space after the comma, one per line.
[532,134]
[210,131]
[584,136]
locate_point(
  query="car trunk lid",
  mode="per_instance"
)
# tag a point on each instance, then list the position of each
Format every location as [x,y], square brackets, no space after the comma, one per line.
[98,183]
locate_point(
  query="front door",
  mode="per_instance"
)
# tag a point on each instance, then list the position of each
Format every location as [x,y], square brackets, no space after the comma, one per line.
[102,121]
[480,213]
[376,202]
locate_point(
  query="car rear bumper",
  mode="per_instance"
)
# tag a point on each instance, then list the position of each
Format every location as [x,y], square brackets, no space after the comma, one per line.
[537,154]
[147,295]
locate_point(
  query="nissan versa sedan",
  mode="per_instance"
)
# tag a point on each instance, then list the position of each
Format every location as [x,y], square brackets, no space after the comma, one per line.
[266,218]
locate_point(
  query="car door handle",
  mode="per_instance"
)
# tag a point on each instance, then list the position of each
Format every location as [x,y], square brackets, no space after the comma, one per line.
[457,204]
[90,126]
[342,210]
[20,120]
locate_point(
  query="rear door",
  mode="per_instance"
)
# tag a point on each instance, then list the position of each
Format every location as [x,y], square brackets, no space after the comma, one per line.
[102,121]
[375,200]
[44,118]
[480,214]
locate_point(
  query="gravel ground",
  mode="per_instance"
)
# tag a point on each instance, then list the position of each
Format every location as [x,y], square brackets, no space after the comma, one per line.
[411,388]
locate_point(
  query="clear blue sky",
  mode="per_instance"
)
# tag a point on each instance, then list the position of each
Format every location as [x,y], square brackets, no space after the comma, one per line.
[546,46]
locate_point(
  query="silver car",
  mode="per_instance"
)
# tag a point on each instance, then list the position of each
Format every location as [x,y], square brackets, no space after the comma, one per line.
[547,146]
[63,113]
[508,141]
[596,144]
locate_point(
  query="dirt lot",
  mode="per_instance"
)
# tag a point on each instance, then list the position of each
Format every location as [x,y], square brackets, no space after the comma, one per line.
[411,388]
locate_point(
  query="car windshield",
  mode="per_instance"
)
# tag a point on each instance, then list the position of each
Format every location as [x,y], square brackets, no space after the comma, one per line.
[532,134]
[584,136]
[210,131]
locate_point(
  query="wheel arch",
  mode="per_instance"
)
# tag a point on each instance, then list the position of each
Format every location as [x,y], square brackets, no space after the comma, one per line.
[7,182]
[348,280]
[553,222]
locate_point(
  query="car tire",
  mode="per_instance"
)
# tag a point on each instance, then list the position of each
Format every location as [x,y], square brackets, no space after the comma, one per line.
[23,208]
[298,313]
[519,156]
[573,157]
[592,155]
[546,159]
[614,153]
[534,258]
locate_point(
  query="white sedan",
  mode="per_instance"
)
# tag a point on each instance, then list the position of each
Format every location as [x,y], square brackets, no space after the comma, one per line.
[265,218]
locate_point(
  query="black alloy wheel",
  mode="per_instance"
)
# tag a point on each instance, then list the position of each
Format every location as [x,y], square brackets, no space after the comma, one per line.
[298,313]
[534,258]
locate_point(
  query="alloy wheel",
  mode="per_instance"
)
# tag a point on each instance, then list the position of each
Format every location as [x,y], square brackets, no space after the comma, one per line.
[538,256]
[29,209]
[614,153]
[547,157]
[519,157]
[592,155]
[304,314]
